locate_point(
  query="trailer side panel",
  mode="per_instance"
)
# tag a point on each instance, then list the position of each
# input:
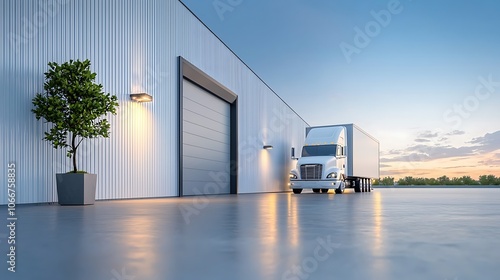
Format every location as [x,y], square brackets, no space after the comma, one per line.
[362,153]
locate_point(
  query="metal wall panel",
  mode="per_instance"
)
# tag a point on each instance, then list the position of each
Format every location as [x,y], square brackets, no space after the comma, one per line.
[120,38]
[134,47]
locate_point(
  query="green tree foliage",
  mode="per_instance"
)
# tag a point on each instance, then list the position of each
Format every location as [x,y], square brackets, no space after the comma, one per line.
[75,106]
[464,180]
[489,180]
[445,180]
[386,181]
[408,180]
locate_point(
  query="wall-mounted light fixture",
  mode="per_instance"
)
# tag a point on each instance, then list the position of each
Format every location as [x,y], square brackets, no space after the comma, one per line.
[141,97]
[268,147]
[293,153]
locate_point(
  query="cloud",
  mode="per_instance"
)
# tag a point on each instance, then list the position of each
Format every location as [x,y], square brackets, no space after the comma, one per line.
[424,136]
[426,152]
[384,165]
[491,162]
[393,172]
[412,157]
[428,134]
[461,166]
[413,172]
[458,158]
[456,132]
[383,153]
[392,152]
[438,152]
[420,173]
[487,143]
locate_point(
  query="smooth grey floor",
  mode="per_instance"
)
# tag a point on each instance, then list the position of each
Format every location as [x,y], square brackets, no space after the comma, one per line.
[399,234]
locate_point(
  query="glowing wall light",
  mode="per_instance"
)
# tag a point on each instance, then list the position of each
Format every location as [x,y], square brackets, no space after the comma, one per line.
[268,147]
[141,97]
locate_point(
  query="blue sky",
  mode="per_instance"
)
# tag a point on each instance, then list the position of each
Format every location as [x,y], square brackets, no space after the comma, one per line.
[421,76]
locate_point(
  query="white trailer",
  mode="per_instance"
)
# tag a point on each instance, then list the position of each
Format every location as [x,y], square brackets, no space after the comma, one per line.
[336,157]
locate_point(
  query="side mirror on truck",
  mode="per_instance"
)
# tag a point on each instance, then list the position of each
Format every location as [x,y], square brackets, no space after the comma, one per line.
[293,154]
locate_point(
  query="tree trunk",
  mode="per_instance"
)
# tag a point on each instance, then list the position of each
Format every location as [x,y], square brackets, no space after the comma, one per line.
[73,147]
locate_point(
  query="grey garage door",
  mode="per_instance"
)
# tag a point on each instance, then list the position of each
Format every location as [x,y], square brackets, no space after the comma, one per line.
[206,142]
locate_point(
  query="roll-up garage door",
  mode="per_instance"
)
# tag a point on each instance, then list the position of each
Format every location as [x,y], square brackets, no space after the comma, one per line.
[206,142]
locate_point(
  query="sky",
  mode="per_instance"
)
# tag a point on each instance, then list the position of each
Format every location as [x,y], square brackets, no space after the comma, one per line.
[421,76]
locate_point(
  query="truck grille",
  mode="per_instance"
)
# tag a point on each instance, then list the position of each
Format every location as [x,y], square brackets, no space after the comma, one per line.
[311,171]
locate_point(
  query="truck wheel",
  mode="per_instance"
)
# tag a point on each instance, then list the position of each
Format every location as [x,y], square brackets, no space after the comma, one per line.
[324,190]
[357,186]
[297,191]
[316,190]
[341,188]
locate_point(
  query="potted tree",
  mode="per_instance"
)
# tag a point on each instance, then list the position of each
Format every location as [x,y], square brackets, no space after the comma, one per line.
[76,107]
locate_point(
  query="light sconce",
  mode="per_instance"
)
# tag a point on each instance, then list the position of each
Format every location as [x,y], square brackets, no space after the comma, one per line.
[268,147]
[141,97]
[293,154]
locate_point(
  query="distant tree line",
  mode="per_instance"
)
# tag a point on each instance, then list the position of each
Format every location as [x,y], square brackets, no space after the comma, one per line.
[443,180]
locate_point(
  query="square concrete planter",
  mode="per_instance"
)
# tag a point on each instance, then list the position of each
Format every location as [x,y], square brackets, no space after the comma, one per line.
[76,188]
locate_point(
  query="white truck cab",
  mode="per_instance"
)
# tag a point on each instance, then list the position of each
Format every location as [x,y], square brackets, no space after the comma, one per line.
[336,157]
[323,162]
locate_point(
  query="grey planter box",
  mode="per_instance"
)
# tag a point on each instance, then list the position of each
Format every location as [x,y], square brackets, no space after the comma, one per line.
[76,188]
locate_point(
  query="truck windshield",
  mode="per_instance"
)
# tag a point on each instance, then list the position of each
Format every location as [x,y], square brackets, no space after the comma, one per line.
[319,150]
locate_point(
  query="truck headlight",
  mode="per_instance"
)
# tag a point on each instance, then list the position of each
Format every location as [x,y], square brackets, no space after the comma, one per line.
[293,176]
[332,175]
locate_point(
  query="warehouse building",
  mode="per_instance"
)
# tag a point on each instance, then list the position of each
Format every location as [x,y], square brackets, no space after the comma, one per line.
[212,127]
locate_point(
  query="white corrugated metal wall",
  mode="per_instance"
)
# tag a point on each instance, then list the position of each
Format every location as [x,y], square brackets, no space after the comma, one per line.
[134,47]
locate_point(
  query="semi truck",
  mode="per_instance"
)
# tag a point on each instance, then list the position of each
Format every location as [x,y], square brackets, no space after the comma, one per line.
[336,157]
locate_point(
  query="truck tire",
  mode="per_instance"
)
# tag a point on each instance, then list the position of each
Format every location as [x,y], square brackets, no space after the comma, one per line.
[341,188]
[297,191]
[316,190]
[324,190]
[357,186]
[367,185]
